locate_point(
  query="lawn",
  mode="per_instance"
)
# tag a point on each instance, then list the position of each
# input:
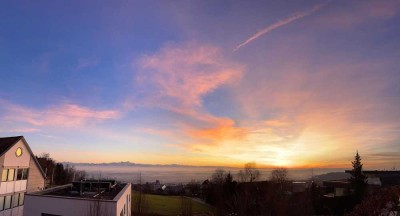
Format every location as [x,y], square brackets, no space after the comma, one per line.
[171,205]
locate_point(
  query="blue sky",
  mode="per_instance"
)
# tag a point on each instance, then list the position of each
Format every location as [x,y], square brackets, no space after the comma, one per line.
[282,83]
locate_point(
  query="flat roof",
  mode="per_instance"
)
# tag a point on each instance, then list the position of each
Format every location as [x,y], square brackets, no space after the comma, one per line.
[69,191]
[377,171]
[337,183]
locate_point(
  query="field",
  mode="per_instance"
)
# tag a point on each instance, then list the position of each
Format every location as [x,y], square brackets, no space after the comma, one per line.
[172,205]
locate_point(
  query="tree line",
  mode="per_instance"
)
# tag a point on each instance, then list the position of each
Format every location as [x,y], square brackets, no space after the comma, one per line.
[250,195]
[56,173]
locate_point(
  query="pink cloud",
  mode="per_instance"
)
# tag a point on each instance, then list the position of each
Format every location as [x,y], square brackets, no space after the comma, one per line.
[178,76]
[23,130]
[185,73]
[65,115]
[360,12]
[336,107]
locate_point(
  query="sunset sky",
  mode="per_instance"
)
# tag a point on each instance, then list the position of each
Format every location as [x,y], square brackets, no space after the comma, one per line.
[281,83]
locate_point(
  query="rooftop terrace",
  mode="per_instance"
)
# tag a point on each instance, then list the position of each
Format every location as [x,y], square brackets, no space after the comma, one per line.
[87,189]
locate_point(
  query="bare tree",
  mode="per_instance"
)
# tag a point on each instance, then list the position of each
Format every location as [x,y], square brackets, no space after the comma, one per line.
[250,173]
[194,188]
[139,199]
[218,176]
[279,176]
[242,176]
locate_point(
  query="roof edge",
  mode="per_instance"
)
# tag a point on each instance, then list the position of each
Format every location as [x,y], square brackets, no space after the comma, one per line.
[20,137]
[33,157]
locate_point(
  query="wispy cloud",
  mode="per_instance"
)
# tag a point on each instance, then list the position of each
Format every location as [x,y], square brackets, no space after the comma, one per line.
[178,76]
[301,114]
[358,12]
[279,24]
[87,62]
[64,115]
[23,130]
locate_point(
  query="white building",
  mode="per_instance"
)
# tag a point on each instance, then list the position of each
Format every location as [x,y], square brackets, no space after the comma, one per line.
[21,173]
[86,198]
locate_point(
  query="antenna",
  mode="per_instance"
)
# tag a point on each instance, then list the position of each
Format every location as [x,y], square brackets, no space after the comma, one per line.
[312,174]
[80,189]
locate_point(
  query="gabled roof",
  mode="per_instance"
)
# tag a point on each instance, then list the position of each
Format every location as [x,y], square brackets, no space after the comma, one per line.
[7,142]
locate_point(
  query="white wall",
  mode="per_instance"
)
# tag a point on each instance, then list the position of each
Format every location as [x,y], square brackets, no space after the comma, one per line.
[12,186]
[36,182]
[124,199]
[35,205]
[11,160]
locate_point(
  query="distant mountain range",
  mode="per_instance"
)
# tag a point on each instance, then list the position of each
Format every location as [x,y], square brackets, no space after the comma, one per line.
[331,176]
[128,163]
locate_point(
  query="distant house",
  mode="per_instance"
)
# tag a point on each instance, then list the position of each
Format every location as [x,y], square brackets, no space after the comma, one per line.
[375,180]
[21,174]
[381,177]
[82,198]
[156,185]
[337,188]
[298,187]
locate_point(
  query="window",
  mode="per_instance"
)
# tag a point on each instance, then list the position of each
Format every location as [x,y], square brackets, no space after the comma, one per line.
[11,173]
[14,174]
[19,174]
[25,173]
[22,174]
[1,203]
[7,202]
[4,175]
[21,199]
[15,199]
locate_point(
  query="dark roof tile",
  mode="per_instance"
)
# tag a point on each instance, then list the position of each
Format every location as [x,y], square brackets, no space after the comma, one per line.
[7,142]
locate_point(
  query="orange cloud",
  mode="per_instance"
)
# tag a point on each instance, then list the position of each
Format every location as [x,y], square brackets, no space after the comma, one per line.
[296,116]
[335,108]
[225,129]
[178,76]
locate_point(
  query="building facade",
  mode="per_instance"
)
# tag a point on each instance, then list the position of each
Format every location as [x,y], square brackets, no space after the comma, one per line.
[20,174]
[87,198]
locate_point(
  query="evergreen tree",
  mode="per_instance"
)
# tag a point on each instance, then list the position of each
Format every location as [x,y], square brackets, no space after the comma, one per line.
[358,179]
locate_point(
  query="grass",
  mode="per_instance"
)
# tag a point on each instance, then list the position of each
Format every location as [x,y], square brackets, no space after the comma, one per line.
[171,205]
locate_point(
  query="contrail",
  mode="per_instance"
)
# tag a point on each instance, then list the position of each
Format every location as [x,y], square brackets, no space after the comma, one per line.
[280,23]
